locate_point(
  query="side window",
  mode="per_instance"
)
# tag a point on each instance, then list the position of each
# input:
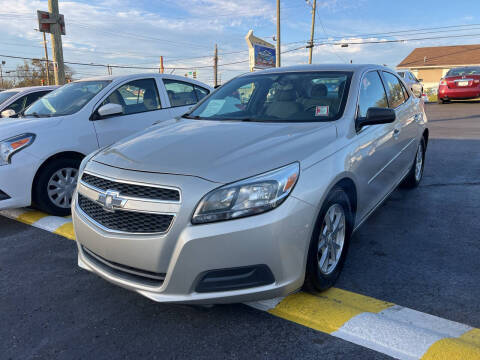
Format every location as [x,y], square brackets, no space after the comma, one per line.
[372,93]
[136,96]
[18,105]
[201,92]
[394,90]
[31,98]
[180,93]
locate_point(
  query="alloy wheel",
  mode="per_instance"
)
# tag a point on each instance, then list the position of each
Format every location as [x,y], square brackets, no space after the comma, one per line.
[331,239]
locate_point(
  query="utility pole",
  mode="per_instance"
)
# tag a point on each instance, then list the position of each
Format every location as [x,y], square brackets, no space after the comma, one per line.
[1,72]
[310,45]
[161,69]
[46,57]
[215,67]
[56,38]
[278,35]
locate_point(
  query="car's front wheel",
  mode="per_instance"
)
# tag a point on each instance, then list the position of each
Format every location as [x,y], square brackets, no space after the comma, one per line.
[329,243]
[54,186]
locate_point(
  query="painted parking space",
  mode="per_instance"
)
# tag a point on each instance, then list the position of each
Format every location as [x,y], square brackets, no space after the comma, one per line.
[375,324]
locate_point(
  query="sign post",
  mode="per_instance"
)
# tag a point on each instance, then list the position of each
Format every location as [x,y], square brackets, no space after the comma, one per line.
[261,54]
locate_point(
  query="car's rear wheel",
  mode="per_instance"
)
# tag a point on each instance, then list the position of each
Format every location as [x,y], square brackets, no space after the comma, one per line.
[442,101]
[415,174]
[329,243]
[54,186]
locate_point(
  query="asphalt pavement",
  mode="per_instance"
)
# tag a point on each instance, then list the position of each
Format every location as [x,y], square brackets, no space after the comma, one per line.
[421,249]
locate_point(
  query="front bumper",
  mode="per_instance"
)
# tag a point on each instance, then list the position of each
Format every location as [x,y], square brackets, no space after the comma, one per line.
[16,180]
[277,240]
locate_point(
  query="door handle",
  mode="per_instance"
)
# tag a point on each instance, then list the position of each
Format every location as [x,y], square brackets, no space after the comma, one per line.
[396,133]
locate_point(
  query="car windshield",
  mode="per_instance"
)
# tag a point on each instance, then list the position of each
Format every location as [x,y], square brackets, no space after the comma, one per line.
[278,97]
[464,71]
[66,100]
[5,95]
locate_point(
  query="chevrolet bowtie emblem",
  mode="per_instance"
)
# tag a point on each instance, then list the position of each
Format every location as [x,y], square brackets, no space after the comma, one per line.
[111,200]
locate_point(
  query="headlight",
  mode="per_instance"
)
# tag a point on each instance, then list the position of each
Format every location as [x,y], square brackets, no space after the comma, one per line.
[10,146]
[251,196]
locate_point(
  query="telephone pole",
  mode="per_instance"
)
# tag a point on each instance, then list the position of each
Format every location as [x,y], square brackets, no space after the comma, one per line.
[215,67]
[56,38]
[278,35]
[161,69]
[46,57]
[310,45]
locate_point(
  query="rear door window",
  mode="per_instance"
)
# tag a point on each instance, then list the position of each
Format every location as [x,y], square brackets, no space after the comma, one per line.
[201,92]
[372,94]
[180,93]
[394,90]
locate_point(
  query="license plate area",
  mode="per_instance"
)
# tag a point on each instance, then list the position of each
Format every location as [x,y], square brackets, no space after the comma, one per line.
[463,83]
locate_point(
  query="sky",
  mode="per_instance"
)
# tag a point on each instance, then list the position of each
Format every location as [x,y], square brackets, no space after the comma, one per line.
[136,33]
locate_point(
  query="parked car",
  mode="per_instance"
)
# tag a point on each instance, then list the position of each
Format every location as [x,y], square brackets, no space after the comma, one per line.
[14,101]
[232,204]
[42,150]
[459,84]
[412,81]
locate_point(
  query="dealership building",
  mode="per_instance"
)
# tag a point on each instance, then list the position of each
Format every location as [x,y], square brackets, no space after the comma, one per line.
[430,64]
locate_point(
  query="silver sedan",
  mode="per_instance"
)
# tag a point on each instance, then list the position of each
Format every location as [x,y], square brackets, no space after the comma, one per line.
[256,191]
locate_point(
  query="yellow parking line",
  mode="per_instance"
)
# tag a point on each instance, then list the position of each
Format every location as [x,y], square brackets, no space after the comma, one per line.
[66,230]
[327,311]
[463,347]
[31,217]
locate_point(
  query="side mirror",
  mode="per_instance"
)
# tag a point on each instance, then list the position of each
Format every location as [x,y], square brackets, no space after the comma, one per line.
[376,116]
[7,113]
[109,110]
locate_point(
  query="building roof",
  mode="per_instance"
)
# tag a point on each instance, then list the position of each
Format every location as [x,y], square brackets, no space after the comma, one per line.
[442,56]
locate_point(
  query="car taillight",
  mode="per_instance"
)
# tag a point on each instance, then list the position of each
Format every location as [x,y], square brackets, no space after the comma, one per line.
[476,81]
[443,82]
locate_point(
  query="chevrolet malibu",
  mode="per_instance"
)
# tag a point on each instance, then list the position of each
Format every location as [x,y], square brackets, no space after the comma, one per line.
[256,191]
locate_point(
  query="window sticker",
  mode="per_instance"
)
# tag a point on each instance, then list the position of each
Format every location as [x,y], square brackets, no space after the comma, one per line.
[321,110]
[213,107]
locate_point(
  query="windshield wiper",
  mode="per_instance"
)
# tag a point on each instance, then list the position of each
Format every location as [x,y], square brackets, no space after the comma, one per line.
[187,116]
[37,115]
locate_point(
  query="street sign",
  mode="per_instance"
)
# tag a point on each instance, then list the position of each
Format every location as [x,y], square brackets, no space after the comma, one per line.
[261,54]
[45,19]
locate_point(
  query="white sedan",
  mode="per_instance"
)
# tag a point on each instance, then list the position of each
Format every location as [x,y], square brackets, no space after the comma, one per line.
[13,101]
[40,151]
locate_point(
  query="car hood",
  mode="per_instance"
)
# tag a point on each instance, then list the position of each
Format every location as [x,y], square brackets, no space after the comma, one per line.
[15,126]
[219,151]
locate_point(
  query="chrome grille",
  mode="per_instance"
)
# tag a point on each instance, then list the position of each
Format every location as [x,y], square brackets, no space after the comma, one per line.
[125,221]
[133,190]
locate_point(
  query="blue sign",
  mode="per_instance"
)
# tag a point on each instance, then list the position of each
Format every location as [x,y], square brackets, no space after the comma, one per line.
[264,56]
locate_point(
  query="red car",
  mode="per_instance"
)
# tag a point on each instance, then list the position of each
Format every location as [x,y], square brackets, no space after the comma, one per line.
[460,83]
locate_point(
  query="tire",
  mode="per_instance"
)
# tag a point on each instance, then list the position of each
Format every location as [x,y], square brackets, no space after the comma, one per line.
[440,101]
[319,277]
[415,175]
[47,189]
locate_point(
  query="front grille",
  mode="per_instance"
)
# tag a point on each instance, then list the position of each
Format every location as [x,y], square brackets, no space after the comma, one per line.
[126,221]
[125,272]
[139,191]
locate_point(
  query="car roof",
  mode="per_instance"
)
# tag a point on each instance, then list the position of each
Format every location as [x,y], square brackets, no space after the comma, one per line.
[119,78]
[33,88]
[321,67]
